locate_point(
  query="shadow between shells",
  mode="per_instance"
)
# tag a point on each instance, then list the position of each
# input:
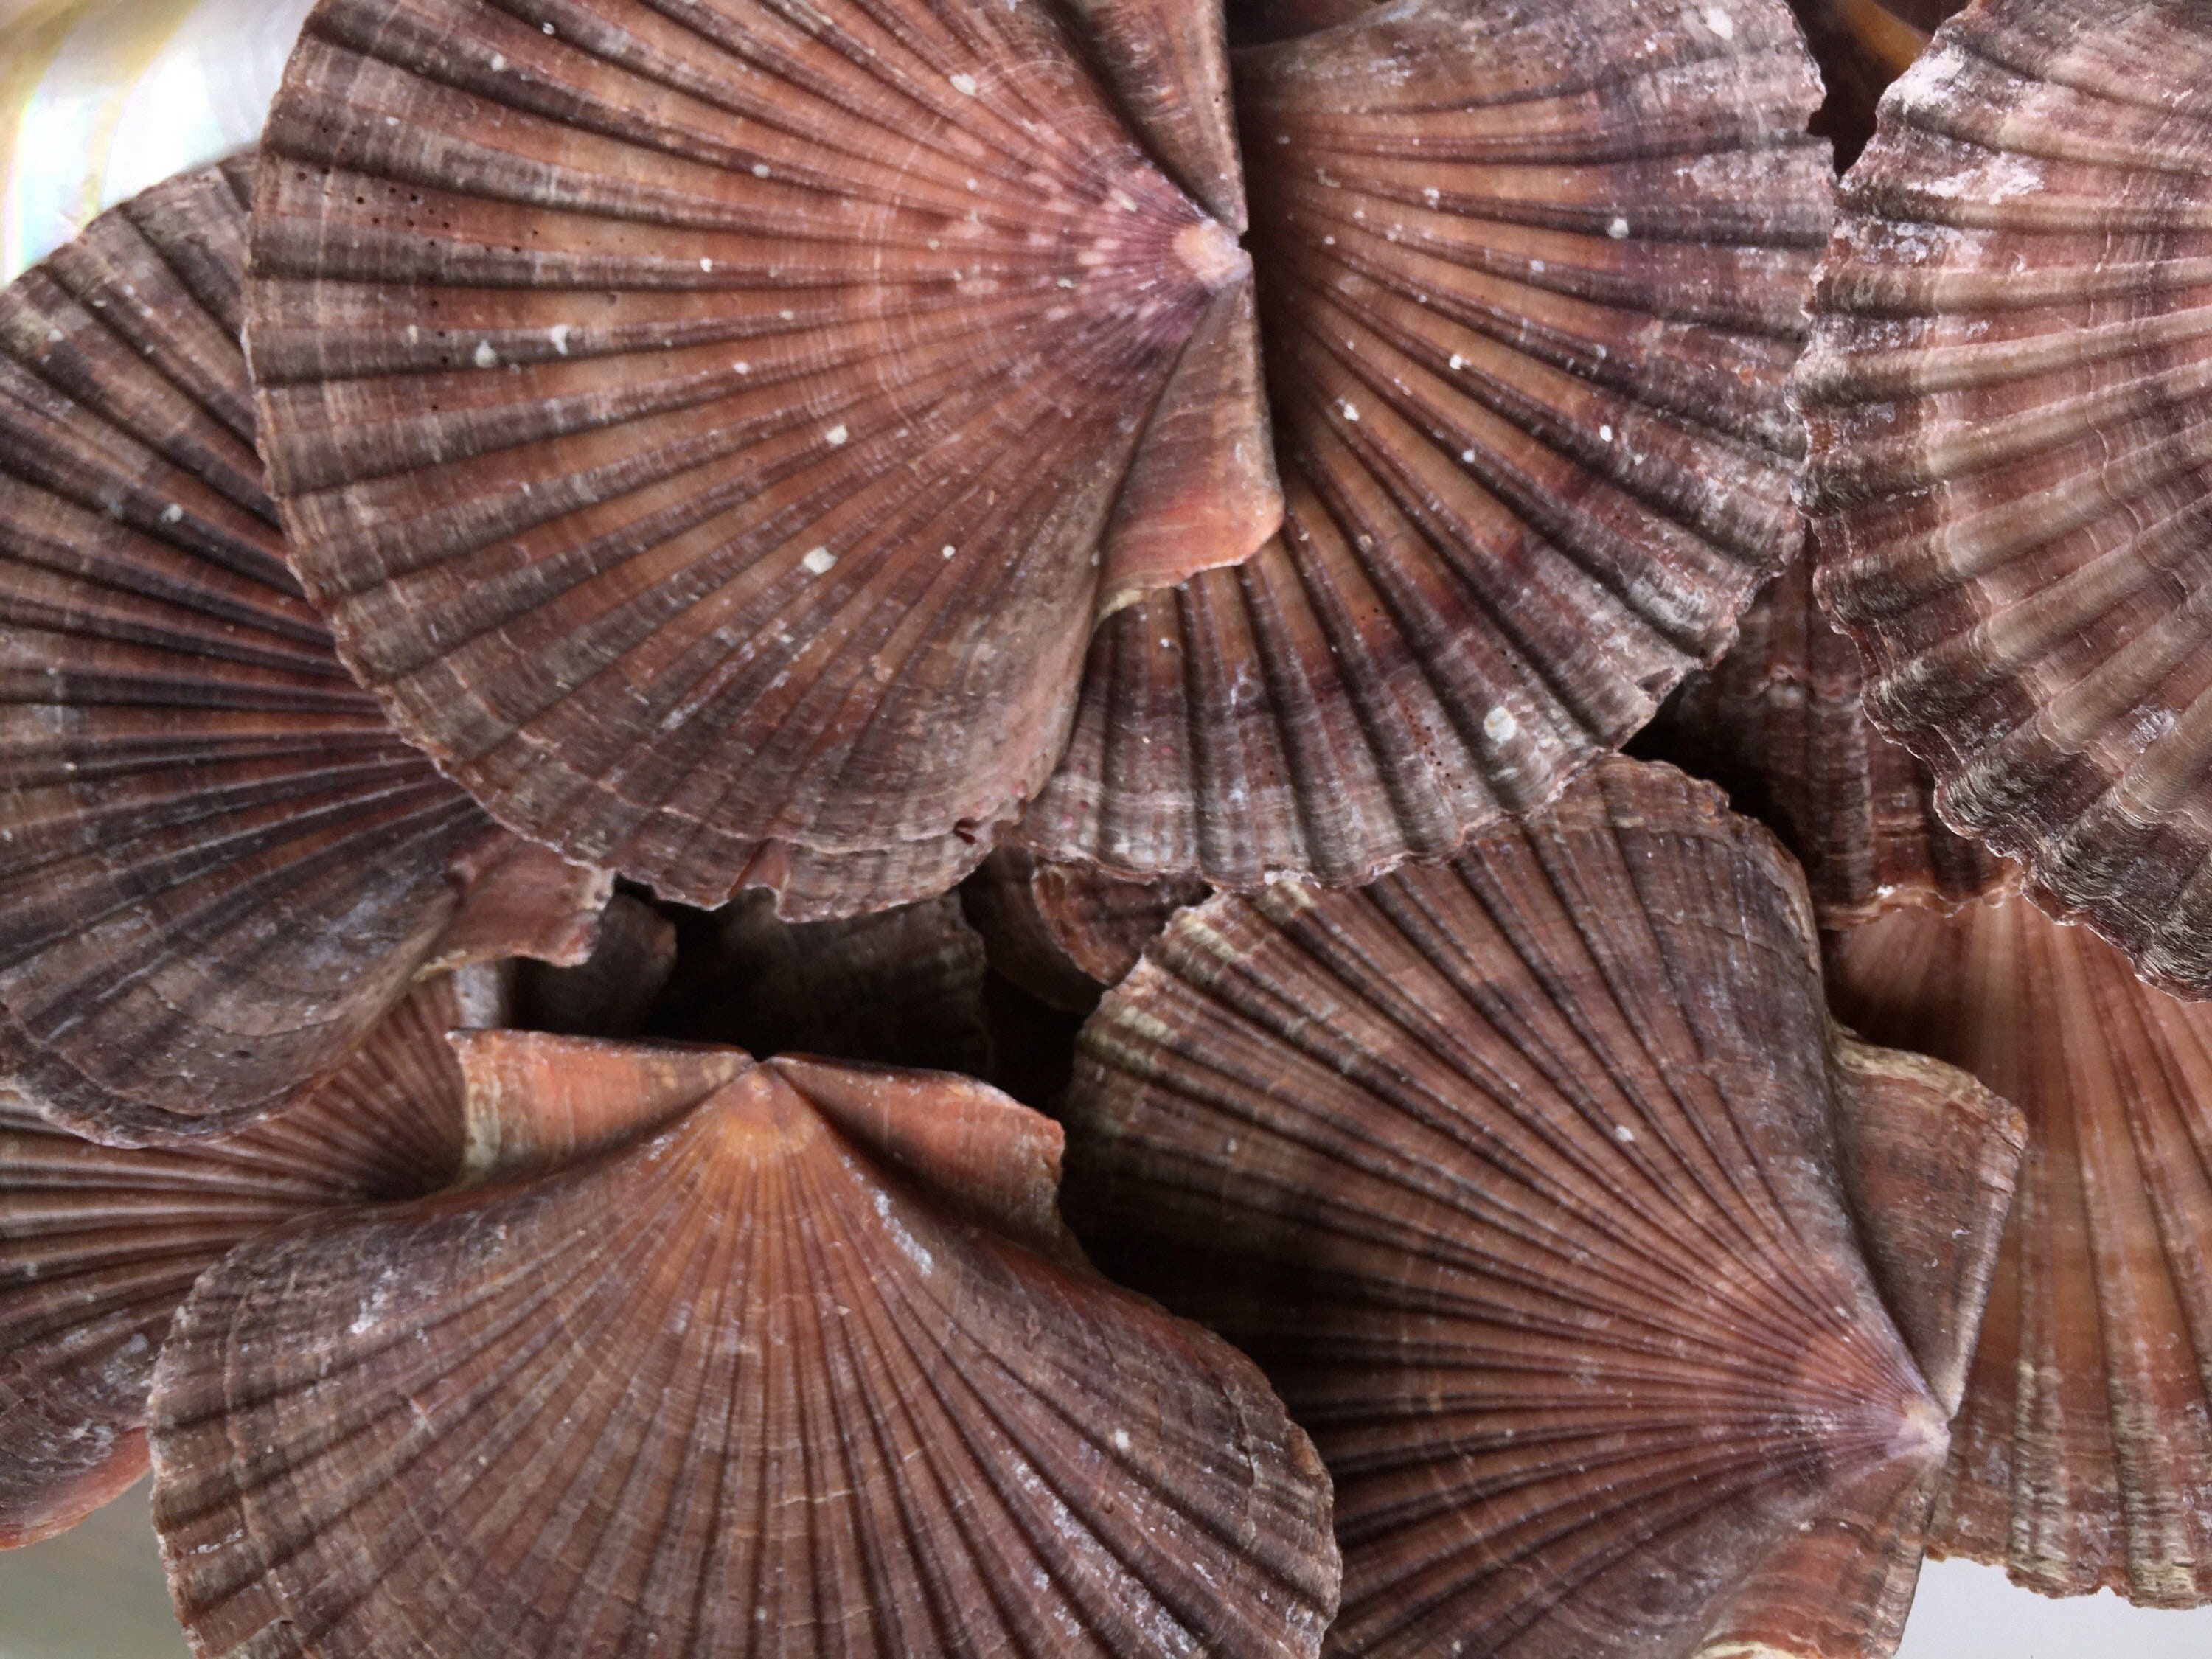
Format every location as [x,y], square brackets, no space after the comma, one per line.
[647,649]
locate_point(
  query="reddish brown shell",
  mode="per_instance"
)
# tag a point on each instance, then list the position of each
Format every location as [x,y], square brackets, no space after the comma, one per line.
[1525,1177]
[2001,395]
[903,987]
[99,1246]
[2080,1459]
[1530,284]
[697,535]
[218,866]
[1063,932]
[702,426]
[1781,723]
[868,1400]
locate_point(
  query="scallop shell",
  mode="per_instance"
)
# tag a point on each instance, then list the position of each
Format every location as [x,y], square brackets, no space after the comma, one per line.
[611,994]
[2083,1455]
[102,99]
[218,866]
[1530,284]
[902,987]
[1862,46]
[99,1246]
[1781,723]
[1063,932]
[1563,343]
[869,1401]
[1518,1175]
[2004,464]
[702,425]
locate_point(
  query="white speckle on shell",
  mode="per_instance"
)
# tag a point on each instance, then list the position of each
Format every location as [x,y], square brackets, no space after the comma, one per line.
[964,83]
[486,357]
[1499,726]
[1617,229]
[1720,22]
[836,435]
[559,334]
[818,561]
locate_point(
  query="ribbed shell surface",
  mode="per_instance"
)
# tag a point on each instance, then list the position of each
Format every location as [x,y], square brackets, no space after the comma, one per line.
[1781,723]
[1061,932]
[2004,396]
[1518,1175]
[218,864]
[2083,1456]
[1530,281]
[773,1381]
[99,1246]
[701,420]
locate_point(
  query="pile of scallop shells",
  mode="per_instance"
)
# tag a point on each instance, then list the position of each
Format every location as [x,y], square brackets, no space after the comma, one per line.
[668,647]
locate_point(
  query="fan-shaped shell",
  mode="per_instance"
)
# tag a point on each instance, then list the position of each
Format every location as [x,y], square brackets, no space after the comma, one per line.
[218,866]
[1519,1176]
[1574,469]
[1781,723]
[1063,930]
[856,1408]
[1530,283]
[99,1245]
[2001,394]
[2083,1455]
[701,424]
[903,987]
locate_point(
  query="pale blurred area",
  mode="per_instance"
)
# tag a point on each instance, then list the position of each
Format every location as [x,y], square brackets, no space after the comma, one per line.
[1968,1611]
[95,1592]
[100,98]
